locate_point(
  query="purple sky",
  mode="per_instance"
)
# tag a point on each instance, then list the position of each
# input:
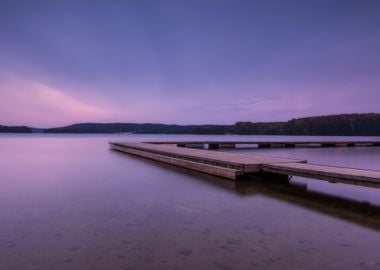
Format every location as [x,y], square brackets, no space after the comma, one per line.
[63,62]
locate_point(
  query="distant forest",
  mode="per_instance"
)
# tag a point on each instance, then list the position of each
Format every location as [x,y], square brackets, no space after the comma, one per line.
[343,124]
[20,129]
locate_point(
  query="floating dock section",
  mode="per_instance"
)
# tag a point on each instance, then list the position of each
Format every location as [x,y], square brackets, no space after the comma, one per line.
[228,165]
[368,178]
[269,144]
[234,166]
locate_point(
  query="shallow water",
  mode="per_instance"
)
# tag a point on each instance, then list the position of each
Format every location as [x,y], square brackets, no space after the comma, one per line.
[68,202]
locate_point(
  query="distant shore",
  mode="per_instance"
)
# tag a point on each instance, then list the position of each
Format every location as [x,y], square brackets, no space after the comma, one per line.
[331,125]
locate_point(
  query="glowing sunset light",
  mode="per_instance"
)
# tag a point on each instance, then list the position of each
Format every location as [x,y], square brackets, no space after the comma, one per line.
[38,103]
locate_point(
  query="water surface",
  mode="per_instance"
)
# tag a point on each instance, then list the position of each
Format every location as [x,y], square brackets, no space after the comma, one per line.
[68,202]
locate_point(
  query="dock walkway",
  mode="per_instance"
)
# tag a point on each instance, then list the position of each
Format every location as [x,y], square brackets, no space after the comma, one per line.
[234,165]
[333,174]
[271,144]
[229,165]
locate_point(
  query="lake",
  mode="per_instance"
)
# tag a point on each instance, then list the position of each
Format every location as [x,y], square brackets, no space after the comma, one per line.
[68,202]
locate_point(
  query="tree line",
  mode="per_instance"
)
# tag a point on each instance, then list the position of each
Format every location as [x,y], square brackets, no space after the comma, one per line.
[344,125]
[15,129]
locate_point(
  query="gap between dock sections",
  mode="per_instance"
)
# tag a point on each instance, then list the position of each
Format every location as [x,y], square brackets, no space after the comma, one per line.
[234,165]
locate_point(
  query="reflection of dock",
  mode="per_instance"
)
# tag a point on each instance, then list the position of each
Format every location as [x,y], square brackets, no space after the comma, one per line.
[234,166]
[361,213]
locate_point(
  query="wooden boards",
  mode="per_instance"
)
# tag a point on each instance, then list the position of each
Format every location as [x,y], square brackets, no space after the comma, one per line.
[332,174]
[234,165]
[228,165]
[271,144]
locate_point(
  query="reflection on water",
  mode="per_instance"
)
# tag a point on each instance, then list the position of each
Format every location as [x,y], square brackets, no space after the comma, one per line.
[68,202]
[346,208]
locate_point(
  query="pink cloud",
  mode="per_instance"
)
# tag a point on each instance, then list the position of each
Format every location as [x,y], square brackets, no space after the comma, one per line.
[28,102]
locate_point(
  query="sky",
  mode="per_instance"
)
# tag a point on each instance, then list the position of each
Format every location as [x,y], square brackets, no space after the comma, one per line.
[186,62]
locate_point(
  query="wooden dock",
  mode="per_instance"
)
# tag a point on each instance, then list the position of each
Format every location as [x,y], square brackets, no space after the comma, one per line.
[234,165]
[228,165]
[271,144]
[333,174]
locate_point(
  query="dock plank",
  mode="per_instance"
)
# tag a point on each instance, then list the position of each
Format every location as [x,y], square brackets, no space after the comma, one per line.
[201,167]
[353,176]
[272,144]
[234,165]
[244,163]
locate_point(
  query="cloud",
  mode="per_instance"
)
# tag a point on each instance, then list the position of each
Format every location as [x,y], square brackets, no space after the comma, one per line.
[26,101]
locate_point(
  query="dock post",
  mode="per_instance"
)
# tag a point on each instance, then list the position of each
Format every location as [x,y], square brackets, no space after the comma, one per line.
[213,146]
[271,177]
[328,145]
[227,145]
[290,145]
[194,145]
[264,145]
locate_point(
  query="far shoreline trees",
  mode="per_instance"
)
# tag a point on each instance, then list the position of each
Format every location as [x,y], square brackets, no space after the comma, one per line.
[332,125]
[15,129]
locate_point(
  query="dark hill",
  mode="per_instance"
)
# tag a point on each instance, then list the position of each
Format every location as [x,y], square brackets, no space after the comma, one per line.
[140,128]
[343,125]
[15,129]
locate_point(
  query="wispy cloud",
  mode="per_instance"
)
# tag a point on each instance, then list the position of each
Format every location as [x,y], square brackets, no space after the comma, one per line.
[26,101]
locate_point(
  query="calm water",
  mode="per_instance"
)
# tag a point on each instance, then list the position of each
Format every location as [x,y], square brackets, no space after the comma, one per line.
[68,202]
